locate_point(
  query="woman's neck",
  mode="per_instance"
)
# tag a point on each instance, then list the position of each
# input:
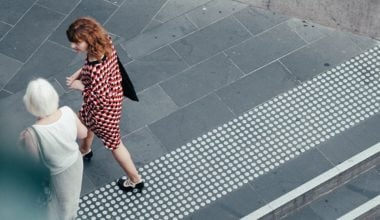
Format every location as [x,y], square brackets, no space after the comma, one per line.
[49,119]
[92,58]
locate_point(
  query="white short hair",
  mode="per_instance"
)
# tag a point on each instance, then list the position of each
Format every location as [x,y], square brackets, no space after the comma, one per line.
[40,98]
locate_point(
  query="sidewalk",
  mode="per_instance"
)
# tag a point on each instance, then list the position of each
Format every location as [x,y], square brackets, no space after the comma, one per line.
[202,70]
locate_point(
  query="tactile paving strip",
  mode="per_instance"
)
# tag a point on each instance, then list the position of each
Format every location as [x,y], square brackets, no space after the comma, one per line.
[241,150]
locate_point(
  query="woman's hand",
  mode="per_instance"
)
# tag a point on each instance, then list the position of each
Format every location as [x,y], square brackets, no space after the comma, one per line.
[70,80]
[75,84]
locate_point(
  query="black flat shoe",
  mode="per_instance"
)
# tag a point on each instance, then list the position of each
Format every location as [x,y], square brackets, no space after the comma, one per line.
[128,186]
[88,156]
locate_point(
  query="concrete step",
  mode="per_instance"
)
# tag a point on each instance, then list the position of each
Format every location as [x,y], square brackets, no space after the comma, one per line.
[368,210]
[333,193]
[352,200]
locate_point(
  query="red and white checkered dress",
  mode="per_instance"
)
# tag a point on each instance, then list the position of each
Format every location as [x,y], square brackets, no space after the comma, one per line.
[103,96]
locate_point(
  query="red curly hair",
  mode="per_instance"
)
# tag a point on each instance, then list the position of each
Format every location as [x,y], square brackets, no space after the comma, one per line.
[89,30]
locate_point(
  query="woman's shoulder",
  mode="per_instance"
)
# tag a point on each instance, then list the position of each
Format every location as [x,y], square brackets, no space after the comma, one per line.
[68,114]
[66,109]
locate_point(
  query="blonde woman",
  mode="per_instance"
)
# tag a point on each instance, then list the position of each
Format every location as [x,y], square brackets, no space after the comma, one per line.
[100,81]
[52,140]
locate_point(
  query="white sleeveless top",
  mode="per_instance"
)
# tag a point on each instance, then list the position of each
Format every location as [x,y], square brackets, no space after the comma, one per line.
[59,141]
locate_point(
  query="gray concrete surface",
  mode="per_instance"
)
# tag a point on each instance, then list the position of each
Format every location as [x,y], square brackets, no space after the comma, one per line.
[361,17]
[195,64]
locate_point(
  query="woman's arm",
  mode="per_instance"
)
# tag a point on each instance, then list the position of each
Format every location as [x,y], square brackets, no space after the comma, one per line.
[76,74]
[73,81]
[77,84]
[81,129]
[29,143]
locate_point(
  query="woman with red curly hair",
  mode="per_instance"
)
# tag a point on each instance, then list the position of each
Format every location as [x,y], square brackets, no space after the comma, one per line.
[100,81]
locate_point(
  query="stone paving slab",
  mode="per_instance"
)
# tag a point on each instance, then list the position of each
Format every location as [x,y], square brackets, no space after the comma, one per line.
[64,7]
[155,68]
[121,53]
[363,42]
[309,32]
[72,99]
[175,8]
[73,65]
[189,122]
[144,146]
[36,66]
[8,68]
[213,11]
[12,111]
[257,87]
[202,79]
[4,28]
[154,105]
[265,48]
[152,63]
[132,17]
[339,148]
[98,9]
[116,2]
[366,134]
[211,40]
[159,37]
[21,46]
[102,172]
[152,24]
[4,94]
[320,56]
[12,10]
[258,20]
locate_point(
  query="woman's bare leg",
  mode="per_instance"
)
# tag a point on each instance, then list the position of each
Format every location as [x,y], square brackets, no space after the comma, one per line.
[123,157]
[85,144]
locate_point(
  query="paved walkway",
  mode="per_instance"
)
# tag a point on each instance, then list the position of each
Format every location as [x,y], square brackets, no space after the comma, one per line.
[228,93]
[238,152]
